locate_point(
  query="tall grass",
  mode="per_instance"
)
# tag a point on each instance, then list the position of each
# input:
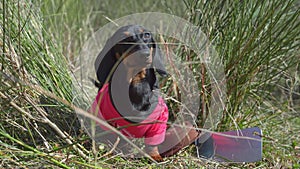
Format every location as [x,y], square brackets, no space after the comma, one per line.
[259,45]
[258,42]
[30,61]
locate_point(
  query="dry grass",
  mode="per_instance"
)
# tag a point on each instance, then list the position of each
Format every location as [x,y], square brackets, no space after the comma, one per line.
[258,43]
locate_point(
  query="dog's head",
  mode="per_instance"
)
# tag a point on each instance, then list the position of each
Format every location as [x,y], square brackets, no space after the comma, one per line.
[130,40]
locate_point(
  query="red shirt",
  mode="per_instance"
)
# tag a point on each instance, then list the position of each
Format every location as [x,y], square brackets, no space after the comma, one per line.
[154,133]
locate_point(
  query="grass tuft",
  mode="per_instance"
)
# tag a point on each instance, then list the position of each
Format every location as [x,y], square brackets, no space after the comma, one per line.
[258,42]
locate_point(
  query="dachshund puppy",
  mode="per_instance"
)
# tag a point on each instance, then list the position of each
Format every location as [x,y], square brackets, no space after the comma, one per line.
[126,70]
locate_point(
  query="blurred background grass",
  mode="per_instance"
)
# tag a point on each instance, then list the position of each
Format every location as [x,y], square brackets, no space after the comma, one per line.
[257,41]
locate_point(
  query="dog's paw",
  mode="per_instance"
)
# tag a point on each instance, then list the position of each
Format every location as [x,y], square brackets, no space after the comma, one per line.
[157,158]
[154,153]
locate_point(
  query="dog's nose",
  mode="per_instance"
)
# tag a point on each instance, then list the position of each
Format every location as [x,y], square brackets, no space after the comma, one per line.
[146,36]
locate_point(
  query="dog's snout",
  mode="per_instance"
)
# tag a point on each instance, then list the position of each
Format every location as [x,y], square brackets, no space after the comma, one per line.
[145,53]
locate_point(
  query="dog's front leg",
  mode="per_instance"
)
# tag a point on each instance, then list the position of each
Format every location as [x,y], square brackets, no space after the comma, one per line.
[154,153]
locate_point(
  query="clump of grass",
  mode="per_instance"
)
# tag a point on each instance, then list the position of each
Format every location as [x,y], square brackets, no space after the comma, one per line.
[259,45]
[30,64]
[257,41]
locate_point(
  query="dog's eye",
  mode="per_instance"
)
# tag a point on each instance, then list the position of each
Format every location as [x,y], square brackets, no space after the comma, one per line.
[146,35]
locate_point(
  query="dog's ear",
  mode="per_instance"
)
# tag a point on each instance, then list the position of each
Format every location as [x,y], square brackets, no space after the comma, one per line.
[107,57]
[158,62]
[104,64]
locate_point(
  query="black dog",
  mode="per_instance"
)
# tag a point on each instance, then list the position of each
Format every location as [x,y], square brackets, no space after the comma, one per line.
[126,68]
